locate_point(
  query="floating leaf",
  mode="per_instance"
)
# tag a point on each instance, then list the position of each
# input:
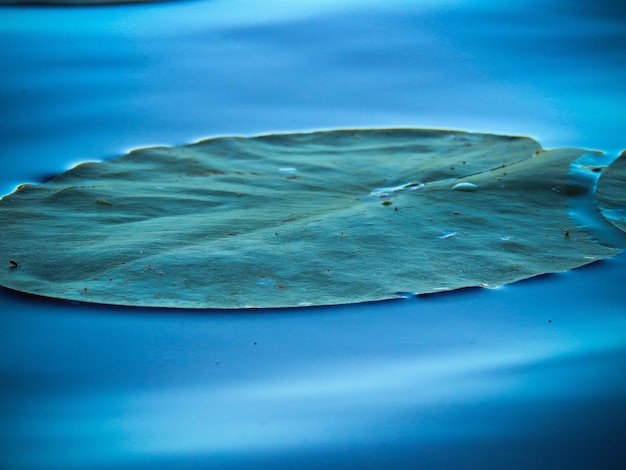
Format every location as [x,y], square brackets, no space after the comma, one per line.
[296,219]
[611,193]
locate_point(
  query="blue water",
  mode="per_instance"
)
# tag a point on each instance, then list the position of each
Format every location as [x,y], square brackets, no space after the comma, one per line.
[531,375]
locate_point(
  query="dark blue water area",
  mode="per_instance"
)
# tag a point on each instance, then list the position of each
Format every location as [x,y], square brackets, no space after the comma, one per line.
[530,375]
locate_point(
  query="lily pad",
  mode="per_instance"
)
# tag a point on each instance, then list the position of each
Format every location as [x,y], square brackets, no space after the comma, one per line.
[611,193]
[296,219]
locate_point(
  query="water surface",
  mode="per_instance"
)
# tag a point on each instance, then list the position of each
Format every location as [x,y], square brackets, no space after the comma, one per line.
[530,375]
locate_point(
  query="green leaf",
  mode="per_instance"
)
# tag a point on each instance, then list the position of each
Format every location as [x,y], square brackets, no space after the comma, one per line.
[296,219]
[611,193]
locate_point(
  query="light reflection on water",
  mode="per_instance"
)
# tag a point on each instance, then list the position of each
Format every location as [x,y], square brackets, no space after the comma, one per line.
[524,376]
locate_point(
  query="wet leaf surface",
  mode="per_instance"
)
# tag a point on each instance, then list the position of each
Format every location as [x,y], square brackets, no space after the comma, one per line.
[296,219]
